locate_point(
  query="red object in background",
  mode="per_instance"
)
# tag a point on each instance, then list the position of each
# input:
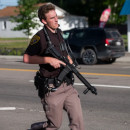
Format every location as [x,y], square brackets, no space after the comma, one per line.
[104,17]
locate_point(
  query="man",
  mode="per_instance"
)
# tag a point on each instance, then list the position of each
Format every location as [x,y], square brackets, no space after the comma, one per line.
[65,96]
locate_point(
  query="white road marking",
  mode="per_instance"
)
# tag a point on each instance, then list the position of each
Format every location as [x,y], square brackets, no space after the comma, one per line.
[17,108]
[99,85]
[103,85]
[96,85]
[31,81]
[7,108]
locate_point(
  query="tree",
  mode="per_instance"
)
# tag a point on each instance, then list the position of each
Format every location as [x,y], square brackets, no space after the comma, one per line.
[116,6]
[27,16]
[92,9]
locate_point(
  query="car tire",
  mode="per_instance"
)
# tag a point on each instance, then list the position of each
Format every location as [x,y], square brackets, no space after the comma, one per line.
[89,57]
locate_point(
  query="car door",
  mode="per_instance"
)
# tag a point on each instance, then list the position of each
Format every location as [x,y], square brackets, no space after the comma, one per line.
[76,40]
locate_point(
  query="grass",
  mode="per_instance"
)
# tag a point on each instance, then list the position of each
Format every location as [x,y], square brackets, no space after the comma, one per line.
[13,42]
[13,46]
[3,39]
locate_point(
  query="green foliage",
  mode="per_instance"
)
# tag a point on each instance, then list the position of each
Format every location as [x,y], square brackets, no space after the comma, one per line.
[92,9]
[125,39]
[89,8]
[27,13]
[12,51]
[116,6]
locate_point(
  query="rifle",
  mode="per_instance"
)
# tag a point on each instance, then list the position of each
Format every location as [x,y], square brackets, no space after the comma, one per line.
[69,67]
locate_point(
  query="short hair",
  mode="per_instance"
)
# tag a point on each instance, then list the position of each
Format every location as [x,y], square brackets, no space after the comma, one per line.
[44,9]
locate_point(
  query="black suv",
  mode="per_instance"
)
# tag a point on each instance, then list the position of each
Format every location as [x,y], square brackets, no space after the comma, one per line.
[94,44]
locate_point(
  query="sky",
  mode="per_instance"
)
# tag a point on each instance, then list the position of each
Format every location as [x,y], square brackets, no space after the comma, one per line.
[4,3]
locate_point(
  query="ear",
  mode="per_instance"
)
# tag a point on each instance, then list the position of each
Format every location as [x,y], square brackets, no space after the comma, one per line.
[44,21]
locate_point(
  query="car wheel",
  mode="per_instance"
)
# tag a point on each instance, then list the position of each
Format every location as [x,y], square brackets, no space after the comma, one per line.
[89,57]
[111,60]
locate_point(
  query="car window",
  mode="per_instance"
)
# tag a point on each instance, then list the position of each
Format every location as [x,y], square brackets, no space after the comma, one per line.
[108,35]
[94,34]
[66,35]
[112,34]
[115,34]
[84,34]
[78,34]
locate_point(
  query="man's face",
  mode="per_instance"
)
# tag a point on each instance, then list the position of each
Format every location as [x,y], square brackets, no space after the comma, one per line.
[51,20]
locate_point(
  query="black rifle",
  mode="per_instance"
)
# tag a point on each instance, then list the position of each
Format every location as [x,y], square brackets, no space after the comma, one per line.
[69,67]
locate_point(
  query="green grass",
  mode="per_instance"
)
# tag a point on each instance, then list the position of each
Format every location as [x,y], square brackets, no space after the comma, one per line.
[3,39]
[13,42]
[13,46]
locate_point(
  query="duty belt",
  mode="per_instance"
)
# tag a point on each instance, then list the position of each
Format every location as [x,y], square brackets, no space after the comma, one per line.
[51,84]
[54,83]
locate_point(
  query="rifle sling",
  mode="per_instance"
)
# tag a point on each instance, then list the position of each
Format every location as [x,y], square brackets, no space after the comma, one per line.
[51,49]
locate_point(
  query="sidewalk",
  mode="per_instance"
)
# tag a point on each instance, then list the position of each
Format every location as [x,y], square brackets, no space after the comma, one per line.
[124,59]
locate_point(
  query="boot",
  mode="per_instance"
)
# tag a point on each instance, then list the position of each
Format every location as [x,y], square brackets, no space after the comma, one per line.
[39,126]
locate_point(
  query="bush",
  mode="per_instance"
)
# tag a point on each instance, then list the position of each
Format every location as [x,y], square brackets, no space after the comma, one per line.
[125,41]
[12,51]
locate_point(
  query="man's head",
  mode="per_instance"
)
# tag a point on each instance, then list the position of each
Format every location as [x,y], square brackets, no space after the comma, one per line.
[48,16]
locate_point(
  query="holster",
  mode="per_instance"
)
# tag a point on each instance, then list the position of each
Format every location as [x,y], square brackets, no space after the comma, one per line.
[43,85]
[40,84]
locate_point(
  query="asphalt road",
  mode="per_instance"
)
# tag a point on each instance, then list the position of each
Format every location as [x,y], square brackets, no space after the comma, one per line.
[109,110]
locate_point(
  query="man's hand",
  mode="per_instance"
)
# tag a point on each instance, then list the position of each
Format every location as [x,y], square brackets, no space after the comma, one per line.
[55,62]
[42,60]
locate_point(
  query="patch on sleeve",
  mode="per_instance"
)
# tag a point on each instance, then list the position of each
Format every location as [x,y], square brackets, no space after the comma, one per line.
[35,39]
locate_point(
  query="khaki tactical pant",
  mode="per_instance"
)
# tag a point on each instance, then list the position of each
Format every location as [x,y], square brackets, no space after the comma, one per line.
[66,97]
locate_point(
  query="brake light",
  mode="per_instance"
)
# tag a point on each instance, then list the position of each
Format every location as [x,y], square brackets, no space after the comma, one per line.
[108,41]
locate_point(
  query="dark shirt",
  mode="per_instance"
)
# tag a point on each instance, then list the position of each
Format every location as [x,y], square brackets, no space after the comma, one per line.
[38,46]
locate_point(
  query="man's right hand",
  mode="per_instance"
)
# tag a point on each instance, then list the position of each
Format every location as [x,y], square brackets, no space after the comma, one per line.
[43,60]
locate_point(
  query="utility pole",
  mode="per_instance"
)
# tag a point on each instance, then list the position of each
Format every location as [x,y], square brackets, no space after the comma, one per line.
[128,32]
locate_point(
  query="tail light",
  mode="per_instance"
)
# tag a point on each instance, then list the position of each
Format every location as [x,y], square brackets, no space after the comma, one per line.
[108,41]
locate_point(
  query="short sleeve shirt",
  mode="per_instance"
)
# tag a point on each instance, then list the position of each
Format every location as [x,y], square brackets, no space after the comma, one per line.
[38,46]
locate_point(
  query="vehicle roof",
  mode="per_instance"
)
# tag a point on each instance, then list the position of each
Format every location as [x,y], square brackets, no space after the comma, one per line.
[92,28]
